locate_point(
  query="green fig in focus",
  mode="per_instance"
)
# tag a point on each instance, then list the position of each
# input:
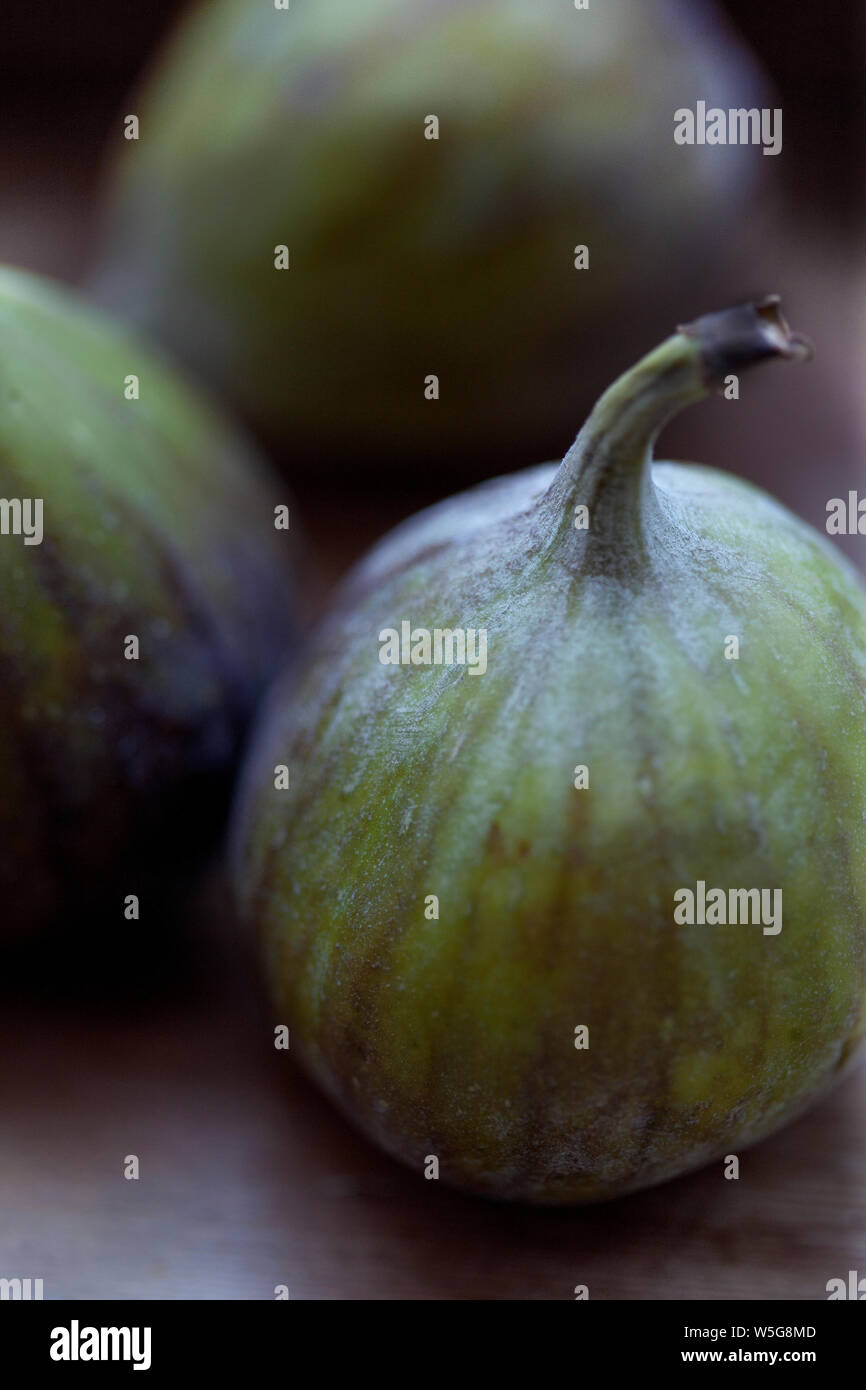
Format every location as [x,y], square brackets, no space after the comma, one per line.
[365,222]
[145,600]
[568,886]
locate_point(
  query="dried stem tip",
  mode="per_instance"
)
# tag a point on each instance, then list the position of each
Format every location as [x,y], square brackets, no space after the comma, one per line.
[736,338]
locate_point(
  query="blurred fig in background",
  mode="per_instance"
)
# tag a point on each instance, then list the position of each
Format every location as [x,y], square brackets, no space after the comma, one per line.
[145,600]
[430,170]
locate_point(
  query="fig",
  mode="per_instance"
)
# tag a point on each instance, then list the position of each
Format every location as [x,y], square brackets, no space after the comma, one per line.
[412,251]
[145,600]
[556,842]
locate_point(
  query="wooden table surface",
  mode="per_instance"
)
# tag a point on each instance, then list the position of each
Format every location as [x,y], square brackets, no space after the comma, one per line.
[249,1179]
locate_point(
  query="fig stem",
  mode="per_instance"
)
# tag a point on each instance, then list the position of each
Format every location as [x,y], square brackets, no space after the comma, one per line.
[608,468]
[736,338]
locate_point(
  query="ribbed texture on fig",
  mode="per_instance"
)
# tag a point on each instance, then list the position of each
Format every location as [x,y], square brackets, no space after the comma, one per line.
[158,524]
[410,256]
[606,648]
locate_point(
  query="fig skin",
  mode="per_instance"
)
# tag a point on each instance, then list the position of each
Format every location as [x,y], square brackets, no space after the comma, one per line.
[410,256]
[158,522]
[456,1037]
